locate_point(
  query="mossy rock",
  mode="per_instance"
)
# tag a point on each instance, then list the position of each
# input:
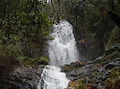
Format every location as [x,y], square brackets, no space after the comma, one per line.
[114,38]
[34,62]
[67,68]
[110,57]
[113,79]
[78,84]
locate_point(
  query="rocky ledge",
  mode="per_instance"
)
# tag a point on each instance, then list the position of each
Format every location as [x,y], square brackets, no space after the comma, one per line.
[25,77]
[91,73]
[103,73]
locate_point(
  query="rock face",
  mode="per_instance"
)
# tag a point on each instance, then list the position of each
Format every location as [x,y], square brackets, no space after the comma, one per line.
[25,78]
[95,73]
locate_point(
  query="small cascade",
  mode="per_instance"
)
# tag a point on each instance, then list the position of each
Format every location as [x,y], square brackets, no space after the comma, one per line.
[46,1]
[52,78]
[62,50]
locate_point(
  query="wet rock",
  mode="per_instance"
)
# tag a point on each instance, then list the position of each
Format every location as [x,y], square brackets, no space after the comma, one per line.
[89,62]
[73,65]
[89,73]
[99,58]
[112,49]
[92,74]
[113,64]
[78,64]
[25,78]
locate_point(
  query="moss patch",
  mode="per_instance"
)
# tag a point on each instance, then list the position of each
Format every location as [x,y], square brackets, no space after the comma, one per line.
[34,62]
[78,84]
[114,37]
[67,68]
[113,80]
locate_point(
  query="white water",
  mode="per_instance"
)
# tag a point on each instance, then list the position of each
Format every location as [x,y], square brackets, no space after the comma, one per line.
[52,78]
[62,50]
[47,1]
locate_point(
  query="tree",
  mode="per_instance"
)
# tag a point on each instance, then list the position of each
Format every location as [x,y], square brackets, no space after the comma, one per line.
[114,6]
[23,22]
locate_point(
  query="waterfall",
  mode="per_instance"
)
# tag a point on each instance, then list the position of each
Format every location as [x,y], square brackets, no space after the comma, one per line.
[62,50]
[52,78]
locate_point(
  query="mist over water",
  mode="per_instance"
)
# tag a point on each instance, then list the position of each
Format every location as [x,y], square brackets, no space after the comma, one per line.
[62,50]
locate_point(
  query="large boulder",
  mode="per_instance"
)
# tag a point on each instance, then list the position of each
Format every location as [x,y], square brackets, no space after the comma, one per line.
[25,77]
[91,73]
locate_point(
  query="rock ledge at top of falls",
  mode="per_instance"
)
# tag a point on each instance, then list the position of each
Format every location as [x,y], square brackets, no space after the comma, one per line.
[25,77]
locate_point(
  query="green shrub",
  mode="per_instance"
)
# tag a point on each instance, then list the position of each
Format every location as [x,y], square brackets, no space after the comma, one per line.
[113,79]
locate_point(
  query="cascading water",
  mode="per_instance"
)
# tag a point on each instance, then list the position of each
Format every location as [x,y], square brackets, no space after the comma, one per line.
[52,78]
[62,50]
[48,1]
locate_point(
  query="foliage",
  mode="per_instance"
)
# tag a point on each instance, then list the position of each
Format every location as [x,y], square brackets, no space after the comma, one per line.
[8,61]
[67,68]
[22,22]
[91,23]
[8,52]
[113,80]
[23,25]
[34,62]
[78,84]
[114,37]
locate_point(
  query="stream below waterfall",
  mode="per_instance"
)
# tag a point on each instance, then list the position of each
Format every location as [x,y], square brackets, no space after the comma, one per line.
[62,50]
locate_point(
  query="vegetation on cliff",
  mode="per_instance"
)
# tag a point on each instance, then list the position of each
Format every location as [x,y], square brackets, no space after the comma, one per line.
[24,30]
[23,33]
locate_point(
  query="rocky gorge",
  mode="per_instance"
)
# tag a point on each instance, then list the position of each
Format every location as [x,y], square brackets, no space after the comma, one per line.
[98,73]
[86,48]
